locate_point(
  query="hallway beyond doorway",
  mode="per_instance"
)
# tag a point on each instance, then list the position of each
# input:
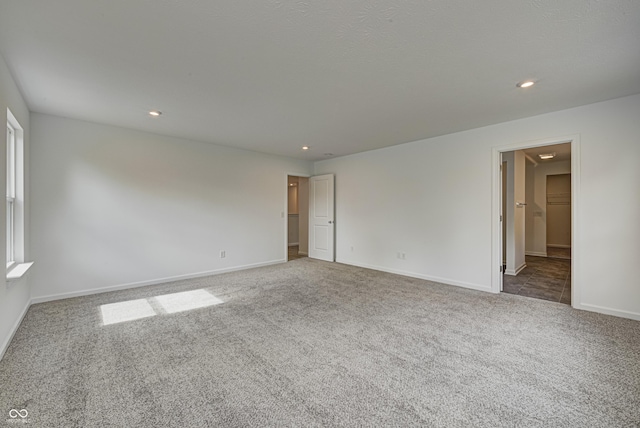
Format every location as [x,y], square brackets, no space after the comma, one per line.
[294,253]
[543,278]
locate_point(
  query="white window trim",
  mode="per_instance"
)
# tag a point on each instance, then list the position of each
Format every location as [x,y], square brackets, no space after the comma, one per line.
[11,193]
[16,265]
[18,270]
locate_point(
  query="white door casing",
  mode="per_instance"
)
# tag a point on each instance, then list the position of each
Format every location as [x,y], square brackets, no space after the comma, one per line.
[322,218]
[496,251]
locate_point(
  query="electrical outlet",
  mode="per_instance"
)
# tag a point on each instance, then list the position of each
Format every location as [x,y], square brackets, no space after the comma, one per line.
[223,254]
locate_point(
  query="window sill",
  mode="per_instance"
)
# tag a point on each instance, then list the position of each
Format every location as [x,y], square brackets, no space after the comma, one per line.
[18,270]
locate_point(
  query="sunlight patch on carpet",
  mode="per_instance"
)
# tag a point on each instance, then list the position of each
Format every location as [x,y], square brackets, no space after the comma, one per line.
[114,313]
[187,300]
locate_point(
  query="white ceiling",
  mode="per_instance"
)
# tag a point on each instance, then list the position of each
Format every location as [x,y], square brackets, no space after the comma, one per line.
[339,76]
[562,153]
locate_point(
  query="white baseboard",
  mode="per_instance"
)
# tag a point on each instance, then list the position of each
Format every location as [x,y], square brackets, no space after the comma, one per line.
[293,244]
[14,329]
[558,246]
[517,271]
[535,253]
[60,296]
[586,307]
[446,281]
[608,311]
[304,253]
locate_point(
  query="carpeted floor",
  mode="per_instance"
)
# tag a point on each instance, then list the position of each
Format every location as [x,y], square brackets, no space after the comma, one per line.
[309,344]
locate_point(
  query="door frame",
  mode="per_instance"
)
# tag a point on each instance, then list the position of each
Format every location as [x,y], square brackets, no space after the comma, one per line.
[496,209]
[285,213]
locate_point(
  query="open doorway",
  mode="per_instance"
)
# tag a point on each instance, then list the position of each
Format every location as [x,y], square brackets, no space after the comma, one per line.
[297,217]
[536,228]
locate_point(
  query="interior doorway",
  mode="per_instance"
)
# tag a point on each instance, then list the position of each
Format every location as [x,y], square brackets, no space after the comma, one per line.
[541,204]
[297,217]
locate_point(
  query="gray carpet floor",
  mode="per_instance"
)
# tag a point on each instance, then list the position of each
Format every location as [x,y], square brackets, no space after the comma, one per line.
[310,344]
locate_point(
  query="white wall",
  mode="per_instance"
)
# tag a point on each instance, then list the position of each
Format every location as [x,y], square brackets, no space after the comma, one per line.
[515,214]
[432,199]
[519,209]
[536,236]
[114,207]
[303,206]
[509,211]
[14,296]
[532,212]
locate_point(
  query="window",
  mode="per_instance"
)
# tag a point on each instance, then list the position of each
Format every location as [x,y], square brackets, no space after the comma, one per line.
[11,193]
[16,266]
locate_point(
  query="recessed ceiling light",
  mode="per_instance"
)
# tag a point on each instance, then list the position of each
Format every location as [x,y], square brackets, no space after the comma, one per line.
[155,113]
[305,147]
[526,84]
[547,155]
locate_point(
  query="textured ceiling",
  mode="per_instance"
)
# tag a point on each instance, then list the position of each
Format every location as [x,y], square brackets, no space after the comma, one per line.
[339,76]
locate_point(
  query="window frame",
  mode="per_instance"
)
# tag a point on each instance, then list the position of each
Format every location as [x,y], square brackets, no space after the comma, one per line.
[11,195]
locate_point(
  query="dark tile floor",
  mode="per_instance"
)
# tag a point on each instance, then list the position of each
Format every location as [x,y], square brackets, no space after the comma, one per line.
[293,253]
[559,253]
[543,278]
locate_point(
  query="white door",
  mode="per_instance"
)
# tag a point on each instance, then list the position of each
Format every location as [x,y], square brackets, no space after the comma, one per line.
[321,217]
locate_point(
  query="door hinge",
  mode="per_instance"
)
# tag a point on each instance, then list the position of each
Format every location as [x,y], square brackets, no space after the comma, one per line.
[500,218]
